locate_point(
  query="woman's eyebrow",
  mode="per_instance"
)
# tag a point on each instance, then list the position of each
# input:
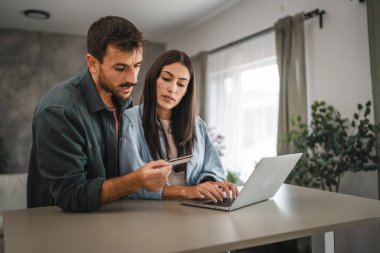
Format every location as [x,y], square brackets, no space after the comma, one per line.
[181,78]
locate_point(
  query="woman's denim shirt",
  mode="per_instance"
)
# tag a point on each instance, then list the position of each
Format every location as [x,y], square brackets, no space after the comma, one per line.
[134,153]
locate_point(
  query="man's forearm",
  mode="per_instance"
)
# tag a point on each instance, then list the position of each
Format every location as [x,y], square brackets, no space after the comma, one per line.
[116,188]
[152,177]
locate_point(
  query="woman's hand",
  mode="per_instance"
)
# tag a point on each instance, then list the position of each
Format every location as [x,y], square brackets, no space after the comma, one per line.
[215,191]
[230,189]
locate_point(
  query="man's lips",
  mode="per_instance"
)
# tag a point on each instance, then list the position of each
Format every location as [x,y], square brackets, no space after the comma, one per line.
[128,85]
[126,89]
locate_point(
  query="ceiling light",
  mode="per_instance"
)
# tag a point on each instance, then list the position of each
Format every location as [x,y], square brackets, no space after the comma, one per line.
[36,14]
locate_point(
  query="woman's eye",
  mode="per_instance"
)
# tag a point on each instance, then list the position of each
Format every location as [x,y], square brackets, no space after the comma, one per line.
[181,85]
[166,79]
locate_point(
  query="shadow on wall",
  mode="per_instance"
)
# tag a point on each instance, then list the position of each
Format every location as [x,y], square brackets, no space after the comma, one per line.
[30,64]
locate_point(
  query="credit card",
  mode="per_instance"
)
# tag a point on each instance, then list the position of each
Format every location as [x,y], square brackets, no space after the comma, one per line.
[180,160]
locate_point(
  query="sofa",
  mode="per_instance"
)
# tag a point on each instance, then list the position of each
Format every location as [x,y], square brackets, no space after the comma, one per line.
[12,196]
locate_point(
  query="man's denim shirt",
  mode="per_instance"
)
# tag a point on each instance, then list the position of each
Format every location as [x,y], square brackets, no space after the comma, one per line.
[134,153]
[75,146]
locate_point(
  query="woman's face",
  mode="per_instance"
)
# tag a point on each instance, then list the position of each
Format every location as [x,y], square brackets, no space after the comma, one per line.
[171,87]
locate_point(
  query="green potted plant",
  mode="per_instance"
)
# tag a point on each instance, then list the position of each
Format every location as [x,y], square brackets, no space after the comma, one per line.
[333,145]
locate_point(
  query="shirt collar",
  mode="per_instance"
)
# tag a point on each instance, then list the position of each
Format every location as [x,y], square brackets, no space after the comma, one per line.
[94,102]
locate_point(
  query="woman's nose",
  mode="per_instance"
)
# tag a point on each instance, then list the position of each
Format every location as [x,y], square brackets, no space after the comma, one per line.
[172,87]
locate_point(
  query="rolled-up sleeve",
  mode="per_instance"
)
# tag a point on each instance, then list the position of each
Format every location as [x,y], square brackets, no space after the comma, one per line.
[62,159]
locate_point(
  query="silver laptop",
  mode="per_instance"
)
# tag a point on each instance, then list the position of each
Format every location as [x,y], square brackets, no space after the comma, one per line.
[262,184]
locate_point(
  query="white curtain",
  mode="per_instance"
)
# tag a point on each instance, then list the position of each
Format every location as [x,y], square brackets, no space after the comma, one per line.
[242,101]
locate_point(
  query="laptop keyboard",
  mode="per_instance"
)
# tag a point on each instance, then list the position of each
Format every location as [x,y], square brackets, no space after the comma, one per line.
[227,202]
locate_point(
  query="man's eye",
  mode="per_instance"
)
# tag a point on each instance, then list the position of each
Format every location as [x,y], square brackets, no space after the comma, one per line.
[120,69]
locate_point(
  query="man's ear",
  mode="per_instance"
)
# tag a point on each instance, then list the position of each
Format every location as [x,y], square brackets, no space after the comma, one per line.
[92,63]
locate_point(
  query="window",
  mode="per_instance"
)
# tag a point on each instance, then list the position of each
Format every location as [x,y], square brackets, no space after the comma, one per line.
[242,102]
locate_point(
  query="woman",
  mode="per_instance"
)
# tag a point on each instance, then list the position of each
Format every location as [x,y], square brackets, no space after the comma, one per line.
[165,127]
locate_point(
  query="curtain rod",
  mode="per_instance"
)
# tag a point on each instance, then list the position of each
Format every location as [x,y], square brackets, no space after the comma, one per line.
[307,15]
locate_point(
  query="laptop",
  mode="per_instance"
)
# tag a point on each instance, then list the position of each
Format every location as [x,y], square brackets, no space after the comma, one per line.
[262,184]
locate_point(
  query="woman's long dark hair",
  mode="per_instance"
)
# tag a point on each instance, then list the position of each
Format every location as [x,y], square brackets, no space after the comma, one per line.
[182,117]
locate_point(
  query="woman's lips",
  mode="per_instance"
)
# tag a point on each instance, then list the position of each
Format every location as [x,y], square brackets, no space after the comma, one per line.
[168,99]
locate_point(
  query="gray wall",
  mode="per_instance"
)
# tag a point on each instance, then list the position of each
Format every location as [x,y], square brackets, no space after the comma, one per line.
[31,63]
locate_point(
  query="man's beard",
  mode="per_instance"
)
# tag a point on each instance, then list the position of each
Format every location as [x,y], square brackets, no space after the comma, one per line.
[104,84]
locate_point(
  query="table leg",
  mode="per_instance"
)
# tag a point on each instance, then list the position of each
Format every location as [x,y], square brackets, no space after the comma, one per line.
[329,242]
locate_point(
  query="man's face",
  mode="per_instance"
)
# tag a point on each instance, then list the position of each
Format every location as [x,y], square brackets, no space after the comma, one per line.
[118,72]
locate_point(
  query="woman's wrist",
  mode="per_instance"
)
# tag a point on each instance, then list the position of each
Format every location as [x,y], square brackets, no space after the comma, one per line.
[175,191]
[184,192]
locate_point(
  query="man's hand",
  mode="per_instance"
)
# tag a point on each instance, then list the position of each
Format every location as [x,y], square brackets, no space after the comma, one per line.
[153,176]
[215,191]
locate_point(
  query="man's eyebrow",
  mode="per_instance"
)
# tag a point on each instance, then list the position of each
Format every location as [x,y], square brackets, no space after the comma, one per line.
[126,65]
[181,78]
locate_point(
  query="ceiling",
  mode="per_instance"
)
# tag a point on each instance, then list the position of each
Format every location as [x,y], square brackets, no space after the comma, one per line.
[159,20]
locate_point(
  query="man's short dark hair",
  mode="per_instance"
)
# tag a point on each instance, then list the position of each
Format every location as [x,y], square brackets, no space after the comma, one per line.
[113,30]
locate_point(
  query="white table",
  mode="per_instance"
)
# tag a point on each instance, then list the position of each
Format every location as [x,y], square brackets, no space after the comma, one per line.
[167,226]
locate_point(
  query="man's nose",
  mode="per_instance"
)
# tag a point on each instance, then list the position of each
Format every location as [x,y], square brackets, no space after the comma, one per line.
[131,75]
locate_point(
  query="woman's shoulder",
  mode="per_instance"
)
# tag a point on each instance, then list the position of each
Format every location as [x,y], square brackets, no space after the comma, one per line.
[200,125]
[199,121]
[133,114]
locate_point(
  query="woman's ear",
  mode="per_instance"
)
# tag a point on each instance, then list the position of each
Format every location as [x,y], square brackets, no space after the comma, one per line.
[92,63]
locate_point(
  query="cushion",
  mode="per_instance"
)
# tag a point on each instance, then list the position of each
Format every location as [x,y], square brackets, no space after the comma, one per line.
[12,193]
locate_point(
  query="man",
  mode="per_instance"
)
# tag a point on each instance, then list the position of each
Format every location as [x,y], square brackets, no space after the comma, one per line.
[73,161]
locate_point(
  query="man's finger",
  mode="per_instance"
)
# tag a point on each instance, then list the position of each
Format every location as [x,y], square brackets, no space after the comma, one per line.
[159,169]
[158,164]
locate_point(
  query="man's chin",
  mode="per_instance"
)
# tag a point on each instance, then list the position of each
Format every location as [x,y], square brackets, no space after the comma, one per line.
[123,97]
[123,94]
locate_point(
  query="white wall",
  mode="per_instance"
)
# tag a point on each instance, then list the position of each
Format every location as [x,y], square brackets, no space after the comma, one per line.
[337,55]
[338,69]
